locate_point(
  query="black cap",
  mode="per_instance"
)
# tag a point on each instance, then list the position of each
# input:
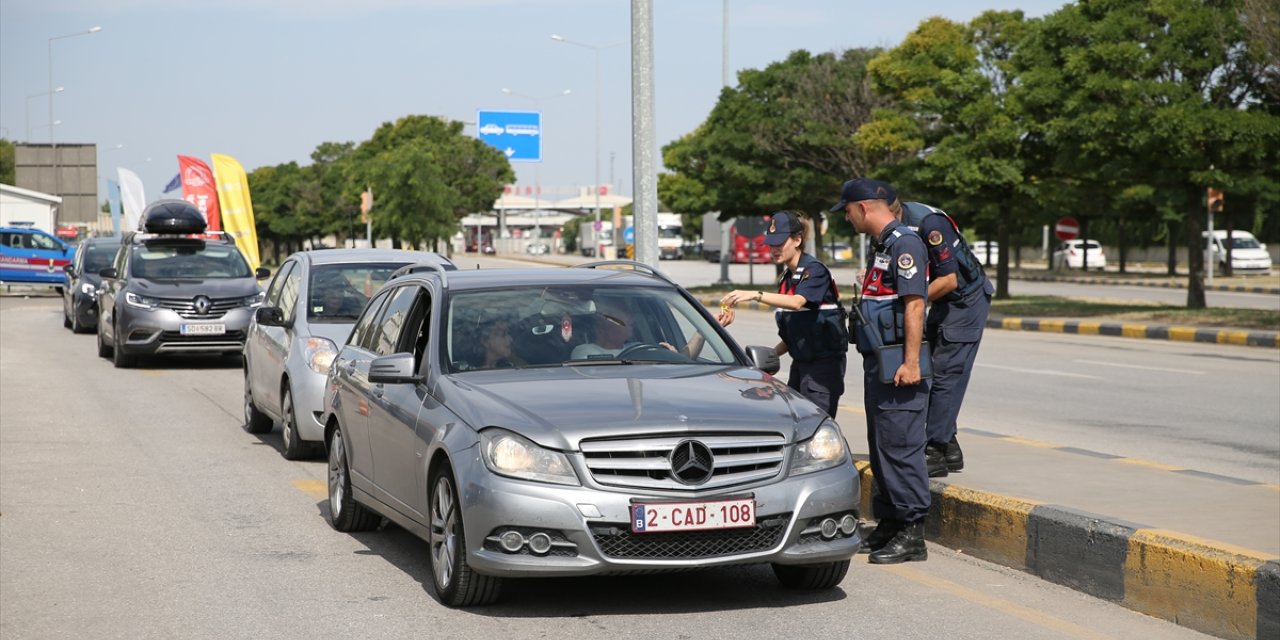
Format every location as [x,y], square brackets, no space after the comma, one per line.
[864,189]
[782,225]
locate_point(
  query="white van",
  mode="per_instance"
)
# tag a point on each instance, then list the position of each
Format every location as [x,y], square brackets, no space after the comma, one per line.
[1247,254]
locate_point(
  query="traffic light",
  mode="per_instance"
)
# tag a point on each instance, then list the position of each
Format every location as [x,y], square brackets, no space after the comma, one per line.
[1215,200]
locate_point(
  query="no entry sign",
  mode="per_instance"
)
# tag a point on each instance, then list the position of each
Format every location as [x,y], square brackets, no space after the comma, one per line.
[1067,228]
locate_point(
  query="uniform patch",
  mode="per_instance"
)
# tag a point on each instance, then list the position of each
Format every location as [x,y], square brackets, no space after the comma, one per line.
[905,261]
[935,237]
[907,274]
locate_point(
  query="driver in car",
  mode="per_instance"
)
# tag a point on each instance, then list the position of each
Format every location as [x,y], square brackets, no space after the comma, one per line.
[613,324]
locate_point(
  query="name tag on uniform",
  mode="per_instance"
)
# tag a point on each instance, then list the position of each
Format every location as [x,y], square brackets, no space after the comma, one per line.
[882,261]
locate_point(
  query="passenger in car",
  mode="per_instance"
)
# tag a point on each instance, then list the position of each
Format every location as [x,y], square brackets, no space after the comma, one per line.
[495,341]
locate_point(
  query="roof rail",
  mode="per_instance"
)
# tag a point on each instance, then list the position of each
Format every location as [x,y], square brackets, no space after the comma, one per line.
[420,267]
[633,264]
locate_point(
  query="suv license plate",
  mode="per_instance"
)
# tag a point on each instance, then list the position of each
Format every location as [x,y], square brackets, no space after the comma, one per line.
[693,516]
[203,329]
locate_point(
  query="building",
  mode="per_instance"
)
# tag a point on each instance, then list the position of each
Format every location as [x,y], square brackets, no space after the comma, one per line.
[69,171]
[26,208]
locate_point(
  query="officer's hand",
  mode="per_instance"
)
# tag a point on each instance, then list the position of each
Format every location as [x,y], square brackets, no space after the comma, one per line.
[736,296]
[907,375]
[726,316]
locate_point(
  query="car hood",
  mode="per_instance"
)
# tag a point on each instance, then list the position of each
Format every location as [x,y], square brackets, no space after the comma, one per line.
[1250,254]
[192,287]
[335,332]
[557,408]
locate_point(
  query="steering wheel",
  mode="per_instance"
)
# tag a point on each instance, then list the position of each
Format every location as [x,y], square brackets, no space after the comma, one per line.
[651,352]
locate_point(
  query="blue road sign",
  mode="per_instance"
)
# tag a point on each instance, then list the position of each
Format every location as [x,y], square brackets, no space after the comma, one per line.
[629,236]
[518,134]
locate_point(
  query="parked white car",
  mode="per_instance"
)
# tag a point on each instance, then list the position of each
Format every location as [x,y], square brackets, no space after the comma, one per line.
[1070,254]
[981,248]
[1247,254]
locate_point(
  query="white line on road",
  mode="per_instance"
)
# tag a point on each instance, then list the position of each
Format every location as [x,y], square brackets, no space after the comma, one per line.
[1138,366]
[1043,372]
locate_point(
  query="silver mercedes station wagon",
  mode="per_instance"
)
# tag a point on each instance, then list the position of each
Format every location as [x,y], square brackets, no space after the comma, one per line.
[574,421]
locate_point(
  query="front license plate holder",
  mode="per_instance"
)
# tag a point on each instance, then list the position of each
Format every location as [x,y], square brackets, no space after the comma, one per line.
[698,515]
[204,329]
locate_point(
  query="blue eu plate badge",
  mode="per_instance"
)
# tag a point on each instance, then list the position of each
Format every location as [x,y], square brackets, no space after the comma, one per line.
[637,518]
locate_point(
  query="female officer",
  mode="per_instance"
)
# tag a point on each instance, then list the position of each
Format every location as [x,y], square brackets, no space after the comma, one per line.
[809,316]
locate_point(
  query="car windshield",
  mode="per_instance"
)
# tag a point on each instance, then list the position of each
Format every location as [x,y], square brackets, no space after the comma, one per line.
[338,292]
[577,326]
[1244,242]
[99,256]
[191,259]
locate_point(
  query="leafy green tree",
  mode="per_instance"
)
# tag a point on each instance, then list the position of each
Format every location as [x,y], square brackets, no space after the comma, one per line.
[8,166]
[1171,94]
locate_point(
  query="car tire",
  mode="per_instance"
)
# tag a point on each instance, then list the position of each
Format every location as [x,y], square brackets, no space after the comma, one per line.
[66,320]
[103,350]
[345,514]
[456,584]
[76,327]
[811,576]
[255,421]
[119,358]
[295,448]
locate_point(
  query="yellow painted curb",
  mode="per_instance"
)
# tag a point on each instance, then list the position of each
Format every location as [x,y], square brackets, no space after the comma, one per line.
[1088,327]
[1184,334]
[1055,326]
[1233,337]
[1133,330]
[984,525]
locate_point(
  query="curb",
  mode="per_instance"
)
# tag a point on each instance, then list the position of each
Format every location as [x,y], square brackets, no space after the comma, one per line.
[1270,339]
[1227,288]
[1212,587]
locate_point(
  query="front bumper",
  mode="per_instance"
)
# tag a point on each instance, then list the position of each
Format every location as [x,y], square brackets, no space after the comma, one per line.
[590,532]
[85,308]
[159,332]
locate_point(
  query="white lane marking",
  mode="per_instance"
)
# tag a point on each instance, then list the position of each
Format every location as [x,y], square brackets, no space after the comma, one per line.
[1138,366]
[1043,372]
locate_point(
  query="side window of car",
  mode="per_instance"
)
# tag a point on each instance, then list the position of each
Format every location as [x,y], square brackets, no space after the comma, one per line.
[417,333]
[364,330]
[273,291]
[394,319]
[43,242]
[289,294]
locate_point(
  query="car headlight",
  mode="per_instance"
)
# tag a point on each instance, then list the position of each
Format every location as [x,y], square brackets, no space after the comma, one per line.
[88,289]
[141,302]
[824,450]
[254,300]
[319,354]
[508,454]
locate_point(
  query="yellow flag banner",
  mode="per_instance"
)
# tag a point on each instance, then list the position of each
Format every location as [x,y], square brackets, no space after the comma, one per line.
[236,206]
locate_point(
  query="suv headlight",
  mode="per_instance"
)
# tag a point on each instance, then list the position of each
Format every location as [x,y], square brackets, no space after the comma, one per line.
[254,300]
[319,354]
[141,302]
[824,450]
[508,454]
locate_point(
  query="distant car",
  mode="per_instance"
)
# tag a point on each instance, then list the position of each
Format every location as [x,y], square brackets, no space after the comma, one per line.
[491,129]
[1247,254]
[988,252]
[538,248]
[1070,254]
[840,251]
[31,256]
[175,289]
[308,311]
[483,248]
[480,410]
[80,295]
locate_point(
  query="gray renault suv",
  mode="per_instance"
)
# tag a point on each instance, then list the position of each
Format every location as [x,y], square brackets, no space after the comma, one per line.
[572,421]
[175,289]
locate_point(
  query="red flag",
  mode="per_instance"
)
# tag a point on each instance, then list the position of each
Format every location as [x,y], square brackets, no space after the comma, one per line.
[199,188]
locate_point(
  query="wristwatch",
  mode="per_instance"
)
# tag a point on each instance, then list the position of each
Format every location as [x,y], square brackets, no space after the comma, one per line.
[759,296]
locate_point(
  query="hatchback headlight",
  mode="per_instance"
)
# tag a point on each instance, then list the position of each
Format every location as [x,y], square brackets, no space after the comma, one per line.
[254,300]
[88,289]
[824,450]
[508,454]
[141,302]
[319,354]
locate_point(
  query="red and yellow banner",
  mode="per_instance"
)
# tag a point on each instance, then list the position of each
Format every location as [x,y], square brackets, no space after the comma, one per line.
[199,189]
[237,206]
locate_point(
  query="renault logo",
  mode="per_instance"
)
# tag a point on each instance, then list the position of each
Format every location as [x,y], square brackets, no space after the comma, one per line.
[202,304]
[692,462]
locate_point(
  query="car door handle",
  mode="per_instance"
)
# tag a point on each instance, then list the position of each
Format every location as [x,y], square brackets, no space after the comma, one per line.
[377,390]
[349,368]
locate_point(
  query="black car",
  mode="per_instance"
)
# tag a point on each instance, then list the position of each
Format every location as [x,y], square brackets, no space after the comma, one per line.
[80,293]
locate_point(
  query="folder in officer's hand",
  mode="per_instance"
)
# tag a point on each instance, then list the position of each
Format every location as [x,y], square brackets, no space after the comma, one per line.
[890,358]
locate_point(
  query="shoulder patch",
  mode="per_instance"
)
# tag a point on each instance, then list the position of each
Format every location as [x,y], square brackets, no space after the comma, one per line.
[935,237]
[905,261]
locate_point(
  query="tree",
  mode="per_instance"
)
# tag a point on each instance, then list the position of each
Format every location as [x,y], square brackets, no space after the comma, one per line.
[8,167]
[1170,94]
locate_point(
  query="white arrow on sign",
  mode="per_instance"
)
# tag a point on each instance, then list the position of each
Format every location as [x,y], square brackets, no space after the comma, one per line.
[509,151]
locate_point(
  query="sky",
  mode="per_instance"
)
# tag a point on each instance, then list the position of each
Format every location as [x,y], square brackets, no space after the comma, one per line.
[266,81]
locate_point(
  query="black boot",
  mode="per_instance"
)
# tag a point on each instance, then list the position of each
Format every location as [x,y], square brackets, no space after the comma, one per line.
[935,459]
[954,456]
[884,532]
[906,546]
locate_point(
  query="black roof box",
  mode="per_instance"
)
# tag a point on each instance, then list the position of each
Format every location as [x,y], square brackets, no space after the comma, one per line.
[172,216]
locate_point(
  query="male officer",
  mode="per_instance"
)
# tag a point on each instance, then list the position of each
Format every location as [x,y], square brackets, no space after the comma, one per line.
[892,313]
[960,297]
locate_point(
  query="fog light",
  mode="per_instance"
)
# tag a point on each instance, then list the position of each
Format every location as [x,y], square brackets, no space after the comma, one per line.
[829,528]
[540,543]
[511,541]
[848,524]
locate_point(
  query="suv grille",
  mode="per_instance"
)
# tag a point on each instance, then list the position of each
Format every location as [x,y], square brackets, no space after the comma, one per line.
[647,463]
[186,307]
[616,541]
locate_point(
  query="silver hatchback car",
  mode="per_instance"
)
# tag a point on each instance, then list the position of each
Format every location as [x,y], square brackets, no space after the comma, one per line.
[308,311]
[575,421]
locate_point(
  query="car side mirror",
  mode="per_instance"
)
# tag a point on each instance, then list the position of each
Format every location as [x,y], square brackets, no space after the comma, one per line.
[397,368]
[764,359]
[262,273]
[109,273]
[269,316]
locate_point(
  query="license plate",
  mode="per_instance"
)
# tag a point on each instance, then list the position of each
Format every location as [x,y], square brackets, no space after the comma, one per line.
[693,516]
[203,329]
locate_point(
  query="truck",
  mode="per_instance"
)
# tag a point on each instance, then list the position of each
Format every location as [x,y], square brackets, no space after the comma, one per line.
[589,240]
[670,239]
[743,246]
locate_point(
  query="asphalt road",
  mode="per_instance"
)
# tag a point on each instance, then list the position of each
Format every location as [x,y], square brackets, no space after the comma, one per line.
[132,505]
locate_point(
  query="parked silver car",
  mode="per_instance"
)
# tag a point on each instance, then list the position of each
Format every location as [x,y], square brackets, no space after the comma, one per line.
[309,309]
[80,295]
[575,421]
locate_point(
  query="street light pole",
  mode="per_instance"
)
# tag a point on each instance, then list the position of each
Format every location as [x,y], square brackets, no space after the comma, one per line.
[28,110]
[53,145]
[596,155]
